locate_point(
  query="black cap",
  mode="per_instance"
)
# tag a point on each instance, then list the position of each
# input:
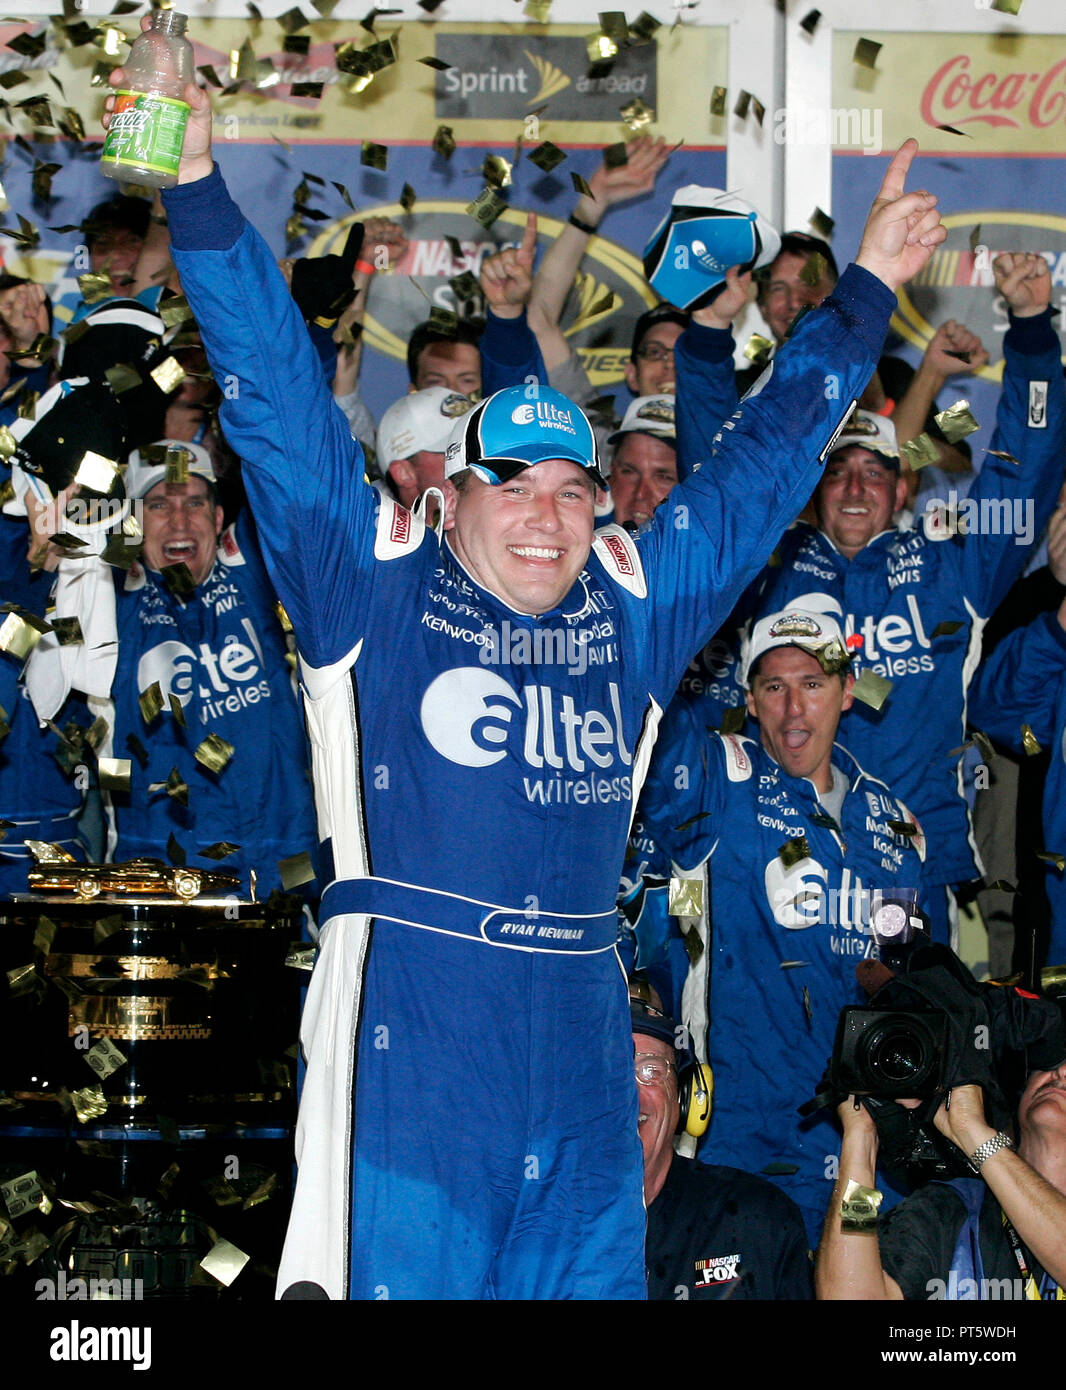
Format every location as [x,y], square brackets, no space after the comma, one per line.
[662,313]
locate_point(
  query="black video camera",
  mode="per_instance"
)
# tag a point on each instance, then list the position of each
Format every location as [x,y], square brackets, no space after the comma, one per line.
[930,1026]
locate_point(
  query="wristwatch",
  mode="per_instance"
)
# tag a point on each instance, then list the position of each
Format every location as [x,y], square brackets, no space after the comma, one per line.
[988,1148]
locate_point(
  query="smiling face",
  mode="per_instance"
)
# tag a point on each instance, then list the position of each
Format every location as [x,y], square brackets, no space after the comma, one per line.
[784,293]
[181,526]
[657,1116]
[798,706]
[652,373]
[527,540]
[643,471]
[857,498]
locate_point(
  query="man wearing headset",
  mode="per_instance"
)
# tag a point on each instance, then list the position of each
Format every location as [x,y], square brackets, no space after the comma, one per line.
[713,1232]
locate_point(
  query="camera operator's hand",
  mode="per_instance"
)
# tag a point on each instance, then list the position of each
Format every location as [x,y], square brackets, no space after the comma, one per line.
[961,1118]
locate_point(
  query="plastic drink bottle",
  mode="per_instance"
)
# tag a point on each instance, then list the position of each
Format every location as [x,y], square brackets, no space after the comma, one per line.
[147,128]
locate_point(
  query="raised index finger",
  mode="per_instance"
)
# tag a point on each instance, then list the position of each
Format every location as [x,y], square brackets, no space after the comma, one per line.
[895,180]
[529,236]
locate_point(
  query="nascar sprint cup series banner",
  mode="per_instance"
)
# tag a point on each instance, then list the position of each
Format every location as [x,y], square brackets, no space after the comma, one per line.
[329,123]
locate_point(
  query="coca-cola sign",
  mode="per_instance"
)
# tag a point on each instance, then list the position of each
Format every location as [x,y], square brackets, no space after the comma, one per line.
[967,91]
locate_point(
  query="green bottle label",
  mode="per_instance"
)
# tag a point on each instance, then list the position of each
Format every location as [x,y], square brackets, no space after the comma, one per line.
[146,131]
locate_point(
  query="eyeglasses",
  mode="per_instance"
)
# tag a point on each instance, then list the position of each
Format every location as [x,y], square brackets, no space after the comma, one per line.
[655,352]
[652,1070]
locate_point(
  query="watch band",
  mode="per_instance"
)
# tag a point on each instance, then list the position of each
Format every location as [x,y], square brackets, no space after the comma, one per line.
[988,1148]
[581,226]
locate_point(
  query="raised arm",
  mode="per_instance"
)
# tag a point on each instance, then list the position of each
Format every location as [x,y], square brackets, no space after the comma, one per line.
[510,355]
[848,1263]
[554,280]
[302,470]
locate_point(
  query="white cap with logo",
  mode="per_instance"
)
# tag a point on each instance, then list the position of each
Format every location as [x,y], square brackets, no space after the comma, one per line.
[869,431]
[420,422]
[793,627]
[654,415]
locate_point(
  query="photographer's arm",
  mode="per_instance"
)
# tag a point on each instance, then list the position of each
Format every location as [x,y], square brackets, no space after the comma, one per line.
[1035,1208]
[848,1264]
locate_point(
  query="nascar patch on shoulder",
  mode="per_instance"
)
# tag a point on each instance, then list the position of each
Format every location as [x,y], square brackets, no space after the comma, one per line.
[399,532]
[619,556]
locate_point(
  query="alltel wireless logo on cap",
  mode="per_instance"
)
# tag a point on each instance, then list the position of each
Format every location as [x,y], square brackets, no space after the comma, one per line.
[510,432]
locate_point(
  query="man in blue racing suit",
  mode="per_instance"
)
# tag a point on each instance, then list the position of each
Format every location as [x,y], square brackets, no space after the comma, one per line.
[475,808]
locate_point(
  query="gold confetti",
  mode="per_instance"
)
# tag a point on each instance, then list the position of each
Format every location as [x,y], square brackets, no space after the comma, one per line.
[903,827]
[115,774]
[536,10]
[615,156]
[311,90]
[1002,454]
[814,269]
[822,224]
[177,709]
[685,897]
[733,720]
[794,851]
[718,99]
[920,452]
[177,466]
[758,349]
[242,63]
[643,28]
[486,207]
[214,753]
[600,48]
[1006,6]
[866,52]
[858,1209]
[221,849]
[89,1103]
[151,701]
[741,105]
[444,142]
[871,689]
[547,156]
[1051,856]
[758,110]
[636,115]
[580,185]
[68,631]
[975,238]
[809,22]
[18,637]
[224,1262]
[956,422]
[1002,885]
[374,156]
[496,171]
[169,375]
[833,657]
[179,580]
[122,377]
[954,130]
[984,745]
[104,1058]
[1030,742]
[292,20]
[175,787]
[945,629]
[295,870]
[443,320]
[437,64]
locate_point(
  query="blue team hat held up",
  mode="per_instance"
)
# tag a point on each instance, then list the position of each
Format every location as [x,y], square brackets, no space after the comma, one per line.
[704,232]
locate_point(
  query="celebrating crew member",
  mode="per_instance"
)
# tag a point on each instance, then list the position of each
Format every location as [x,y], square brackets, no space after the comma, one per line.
[784,843]
[422,947]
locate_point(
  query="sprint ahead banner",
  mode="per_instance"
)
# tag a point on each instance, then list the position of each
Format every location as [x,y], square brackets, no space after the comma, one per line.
[490,85]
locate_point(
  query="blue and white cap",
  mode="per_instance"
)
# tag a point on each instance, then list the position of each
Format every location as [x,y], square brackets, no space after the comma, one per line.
[517,428]
[704,232]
